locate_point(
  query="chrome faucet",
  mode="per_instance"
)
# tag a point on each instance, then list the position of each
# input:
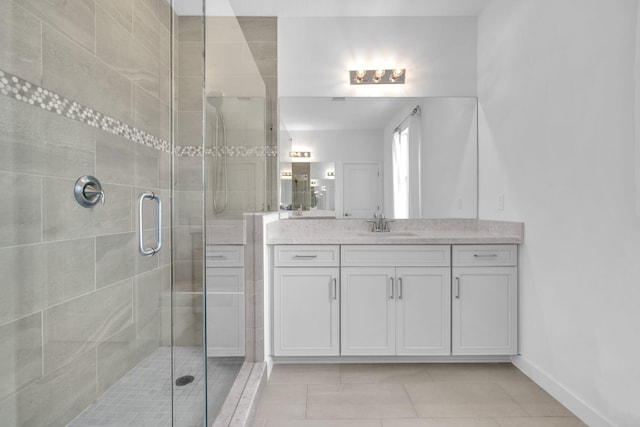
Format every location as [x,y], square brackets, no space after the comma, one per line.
[379,223]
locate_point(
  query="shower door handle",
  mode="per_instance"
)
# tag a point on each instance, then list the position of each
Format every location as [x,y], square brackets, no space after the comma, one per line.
[144,250]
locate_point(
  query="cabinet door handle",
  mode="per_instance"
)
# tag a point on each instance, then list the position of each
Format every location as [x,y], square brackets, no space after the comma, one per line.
[399,287]
[458,287]
[305,256]
[391,281]
[217,257]
[485,255]
[335,288]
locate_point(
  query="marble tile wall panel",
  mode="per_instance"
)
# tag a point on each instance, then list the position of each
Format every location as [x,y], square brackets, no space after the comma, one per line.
[147,292]
[75,18]
[117,355]
[78,325]
[35,141]
[115,258]
[20,210]
[189,93]
[77,74]
[187,319]
[20,41]
[116,46]
[69,269]
[190,29]
[147,112]
[37,276]
[120,10]
[147,30]
[20,353]
[115,159]
[54,399]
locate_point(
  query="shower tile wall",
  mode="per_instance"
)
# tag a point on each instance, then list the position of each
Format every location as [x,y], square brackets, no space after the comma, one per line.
[79,306]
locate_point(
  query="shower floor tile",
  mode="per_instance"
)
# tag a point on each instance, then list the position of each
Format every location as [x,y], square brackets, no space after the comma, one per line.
[143,397]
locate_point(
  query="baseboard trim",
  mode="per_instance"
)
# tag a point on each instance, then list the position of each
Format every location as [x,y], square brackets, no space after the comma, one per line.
[563,395]
[390,359]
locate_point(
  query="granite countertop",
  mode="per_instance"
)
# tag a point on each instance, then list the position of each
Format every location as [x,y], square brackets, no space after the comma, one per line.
[418,231]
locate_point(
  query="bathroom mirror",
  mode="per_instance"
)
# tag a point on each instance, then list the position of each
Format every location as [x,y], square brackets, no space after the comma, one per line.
[426,151]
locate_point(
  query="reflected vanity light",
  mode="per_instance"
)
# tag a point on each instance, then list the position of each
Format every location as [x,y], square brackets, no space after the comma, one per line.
[331,174]
[314,183]
[379,76]
[286,174]
[305,154]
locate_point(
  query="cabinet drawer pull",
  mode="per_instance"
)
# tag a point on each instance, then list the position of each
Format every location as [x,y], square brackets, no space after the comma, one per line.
[217,256]
[485,255]
[391,282]
[458,287]
[335,288]
[399,287]
[305,256]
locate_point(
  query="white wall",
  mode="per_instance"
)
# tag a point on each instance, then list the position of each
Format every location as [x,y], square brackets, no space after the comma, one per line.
[315,55]
[556,88]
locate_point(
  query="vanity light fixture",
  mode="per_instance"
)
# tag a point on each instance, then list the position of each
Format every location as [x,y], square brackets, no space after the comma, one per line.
[286,174]
[305,154]
[313,183]
[379,76]
[331,174]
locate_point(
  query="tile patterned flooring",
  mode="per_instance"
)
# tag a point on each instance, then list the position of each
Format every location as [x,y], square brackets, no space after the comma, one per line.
[407,395]
[143,397]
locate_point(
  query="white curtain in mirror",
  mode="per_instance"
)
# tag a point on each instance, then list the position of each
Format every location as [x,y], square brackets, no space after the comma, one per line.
[406,168]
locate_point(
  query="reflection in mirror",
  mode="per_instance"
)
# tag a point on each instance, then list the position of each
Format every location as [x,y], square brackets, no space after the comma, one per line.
[426,149]
[308,186]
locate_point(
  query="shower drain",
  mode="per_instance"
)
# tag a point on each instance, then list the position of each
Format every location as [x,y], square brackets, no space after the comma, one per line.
[184,380]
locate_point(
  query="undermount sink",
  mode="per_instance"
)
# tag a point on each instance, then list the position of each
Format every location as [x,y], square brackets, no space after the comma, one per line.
[388,234]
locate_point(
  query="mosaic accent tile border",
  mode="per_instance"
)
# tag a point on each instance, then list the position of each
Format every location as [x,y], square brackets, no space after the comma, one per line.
[29,93]
[229,151]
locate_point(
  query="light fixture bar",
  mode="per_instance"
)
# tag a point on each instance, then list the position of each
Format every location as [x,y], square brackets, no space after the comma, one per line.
[305,154]
[377,77]
[286,173]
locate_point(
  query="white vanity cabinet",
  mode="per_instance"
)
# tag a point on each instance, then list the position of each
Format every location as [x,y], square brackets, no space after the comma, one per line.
[225,300]
[396,300]
[484,302]
[306,300]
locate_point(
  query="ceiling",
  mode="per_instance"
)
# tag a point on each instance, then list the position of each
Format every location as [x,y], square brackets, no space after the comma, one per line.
[332,8]
[299,114]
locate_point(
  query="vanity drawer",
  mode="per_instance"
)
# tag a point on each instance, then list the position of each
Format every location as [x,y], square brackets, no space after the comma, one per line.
[307,255]
[490,255]
[396,255]
[225,256]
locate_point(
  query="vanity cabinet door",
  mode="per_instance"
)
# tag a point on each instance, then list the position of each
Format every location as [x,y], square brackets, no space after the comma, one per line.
[306,311]
[368,311]
[484,311]
[423,311]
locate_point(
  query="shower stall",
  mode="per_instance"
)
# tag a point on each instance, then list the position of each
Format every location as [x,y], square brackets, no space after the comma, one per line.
[115,171]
